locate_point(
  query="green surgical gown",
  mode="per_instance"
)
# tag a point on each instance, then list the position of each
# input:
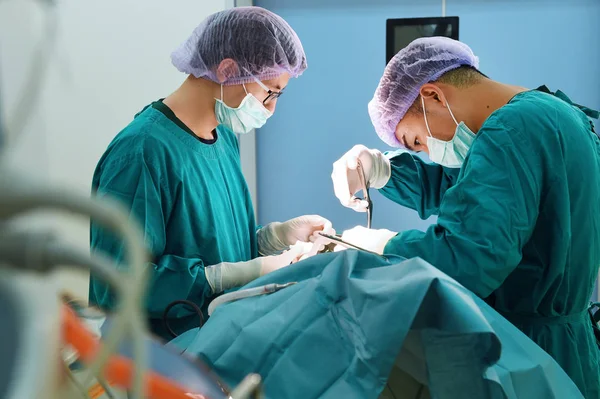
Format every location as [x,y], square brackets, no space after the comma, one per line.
[518,224]
[192,202]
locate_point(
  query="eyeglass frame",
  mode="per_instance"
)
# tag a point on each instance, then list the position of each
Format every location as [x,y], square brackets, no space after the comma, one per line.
[271,94]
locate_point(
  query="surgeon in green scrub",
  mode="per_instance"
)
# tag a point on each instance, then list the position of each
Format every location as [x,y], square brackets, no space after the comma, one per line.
[176,167]
[514,181]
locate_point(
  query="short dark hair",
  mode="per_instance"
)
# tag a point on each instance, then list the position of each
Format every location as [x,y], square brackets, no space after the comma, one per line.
[461,77]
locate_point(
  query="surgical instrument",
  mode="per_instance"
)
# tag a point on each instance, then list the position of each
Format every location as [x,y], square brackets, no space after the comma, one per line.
[365,189]
[338,241]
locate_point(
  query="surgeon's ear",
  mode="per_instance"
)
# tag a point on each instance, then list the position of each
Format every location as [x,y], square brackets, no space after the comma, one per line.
[227,69]
[433,96]
[432,92]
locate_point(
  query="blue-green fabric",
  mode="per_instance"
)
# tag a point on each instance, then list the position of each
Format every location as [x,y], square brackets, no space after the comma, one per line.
[520,226]
[339,330]
[417,184]
[192,202]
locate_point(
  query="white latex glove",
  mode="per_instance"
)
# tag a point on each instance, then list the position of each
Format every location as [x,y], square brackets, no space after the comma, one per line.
[275,262]
[346,182]
[306,248]
[275,237]
[369,239]
[316,247]
[224,276]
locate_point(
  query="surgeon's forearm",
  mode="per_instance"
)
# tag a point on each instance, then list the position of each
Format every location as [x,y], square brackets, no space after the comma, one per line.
[394,246]
[416,184]
[268,240]
[175,277]
[170,278]
[226,275]
[459,256]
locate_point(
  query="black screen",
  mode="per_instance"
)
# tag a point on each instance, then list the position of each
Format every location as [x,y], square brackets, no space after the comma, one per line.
[400,32]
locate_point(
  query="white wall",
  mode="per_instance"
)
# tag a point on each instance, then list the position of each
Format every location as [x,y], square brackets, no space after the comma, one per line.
[111,58]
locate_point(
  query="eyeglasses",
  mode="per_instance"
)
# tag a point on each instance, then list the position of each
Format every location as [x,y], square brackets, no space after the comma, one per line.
[271,94]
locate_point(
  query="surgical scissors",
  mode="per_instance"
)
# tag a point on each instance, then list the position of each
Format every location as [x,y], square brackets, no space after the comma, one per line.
[365,189]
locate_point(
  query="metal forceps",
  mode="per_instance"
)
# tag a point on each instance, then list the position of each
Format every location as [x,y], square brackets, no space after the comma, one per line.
[365,189]
[338,240]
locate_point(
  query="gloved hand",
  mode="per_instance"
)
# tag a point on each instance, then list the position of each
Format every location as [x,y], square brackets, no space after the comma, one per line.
[275,237]
[346,182]
[275,262]
[369,239]
[224,276]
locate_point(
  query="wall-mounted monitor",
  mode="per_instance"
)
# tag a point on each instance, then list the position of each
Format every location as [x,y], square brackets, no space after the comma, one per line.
[401,31]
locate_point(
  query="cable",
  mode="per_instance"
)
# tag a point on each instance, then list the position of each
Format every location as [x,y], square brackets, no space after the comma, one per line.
[249,386]
[14,202]
[80,388]
[33,252]
[42,252]
[247,293]
[387,384]
[420,391]
[98,265]
[129,317]
[180,302]
[106,387]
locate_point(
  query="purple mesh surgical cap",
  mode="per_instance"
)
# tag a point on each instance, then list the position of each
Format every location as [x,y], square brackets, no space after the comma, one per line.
[261,43]
[422,61]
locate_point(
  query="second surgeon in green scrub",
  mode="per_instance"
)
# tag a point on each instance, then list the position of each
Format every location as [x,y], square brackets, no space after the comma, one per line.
[176,166]
[515,184]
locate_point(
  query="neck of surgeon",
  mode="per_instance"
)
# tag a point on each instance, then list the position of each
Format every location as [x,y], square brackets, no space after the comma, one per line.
[194,104]
[474,104]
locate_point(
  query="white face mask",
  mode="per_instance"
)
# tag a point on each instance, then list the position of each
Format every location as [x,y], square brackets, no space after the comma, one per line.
[251,114]
[450,154]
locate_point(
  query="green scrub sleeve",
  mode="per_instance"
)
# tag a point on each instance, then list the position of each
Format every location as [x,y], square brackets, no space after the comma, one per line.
[486,217]
[137,185]
[416,184]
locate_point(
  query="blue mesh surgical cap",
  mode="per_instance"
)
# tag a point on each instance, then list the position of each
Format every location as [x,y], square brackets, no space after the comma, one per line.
[260,42]
[422,61]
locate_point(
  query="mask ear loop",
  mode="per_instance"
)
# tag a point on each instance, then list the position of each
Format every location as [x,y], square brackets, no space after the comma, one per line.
[243,85]
[425,117]
[451,114]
